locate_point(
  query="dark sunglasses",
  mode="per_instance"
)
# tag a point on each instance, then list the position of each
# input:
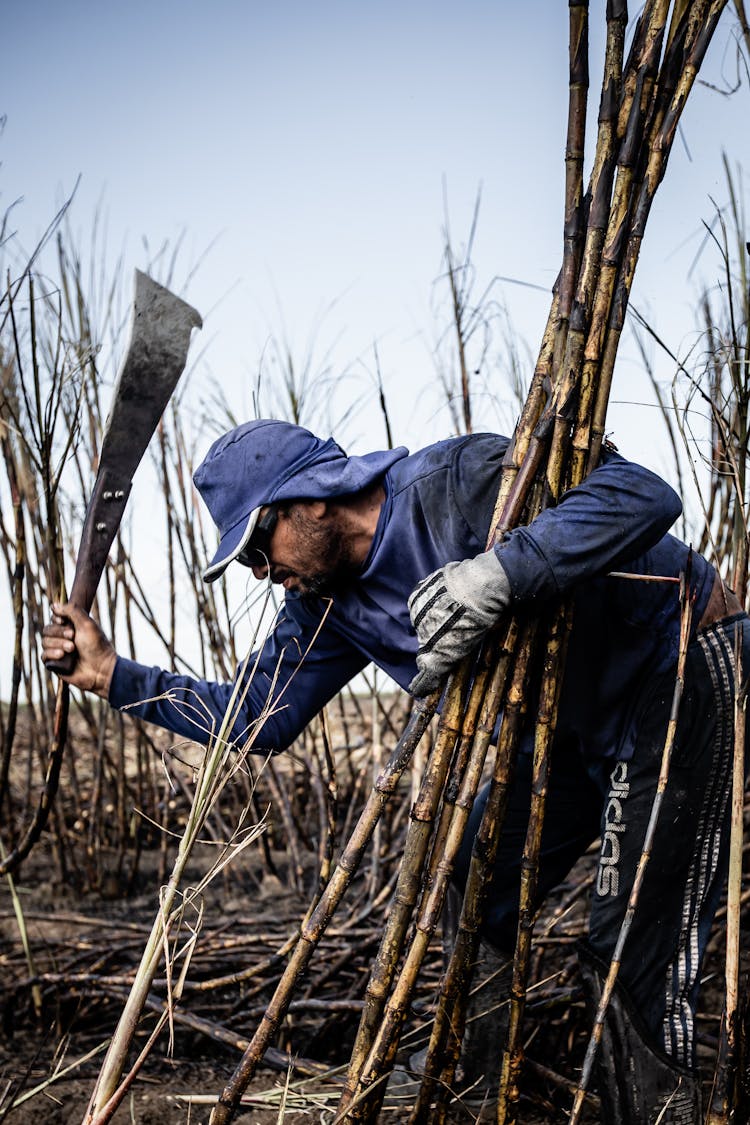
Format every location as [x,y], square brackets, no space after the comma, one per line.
[257,550]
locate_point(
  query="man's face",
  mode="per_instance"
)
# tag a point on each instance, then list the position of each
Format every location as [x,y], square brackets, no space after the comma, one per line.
[308,552]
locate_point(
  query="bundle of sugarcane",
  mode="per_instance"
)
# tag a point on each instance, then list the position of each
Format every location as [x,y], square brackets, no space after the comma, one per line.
[557,440]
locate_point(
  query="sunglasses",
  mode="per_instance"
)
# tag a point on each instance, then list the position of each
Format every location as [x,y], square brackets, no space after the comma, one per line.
[257,550]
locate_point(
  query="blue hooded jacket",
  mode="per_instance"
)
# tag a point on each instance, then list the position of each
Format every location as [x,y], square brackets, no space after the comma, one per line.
[438,508]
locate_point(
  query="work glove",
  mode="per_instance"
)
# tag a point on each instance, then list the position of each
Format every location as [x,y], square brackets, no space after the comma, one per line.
[451,610]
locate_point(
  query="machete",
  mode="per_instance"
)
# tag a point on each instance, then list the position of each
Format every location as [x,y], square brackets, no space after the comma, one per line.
[154,360]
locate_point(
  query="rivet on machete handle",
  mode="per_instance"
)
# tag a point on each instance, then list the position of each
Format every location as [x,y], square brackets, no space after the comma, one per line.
[154,361]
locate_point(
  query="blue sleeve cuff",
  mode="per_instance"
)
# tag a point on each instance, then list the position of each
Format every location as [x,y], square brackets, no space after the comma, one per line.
[131,683]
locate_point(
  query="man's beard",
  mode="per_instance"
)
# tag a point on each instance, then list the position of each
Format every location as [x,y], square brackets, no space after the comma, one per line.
[317,585]
[333,568]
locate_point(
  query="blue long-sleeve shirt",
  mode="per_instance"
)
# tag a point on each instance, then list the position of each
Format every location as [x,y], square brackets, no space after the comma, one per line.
[438,507]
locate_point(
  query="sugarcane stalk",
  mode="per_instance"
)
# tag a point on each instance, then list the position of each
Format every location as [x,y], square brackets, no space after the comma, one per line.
[600,191]
[383,1041]
[409,880]
[600,273]
[106,1111]
[556,645]
[493,661]
[459,308]
[445,1040]
[164,920]
[457,792]
[484,854]
[506,509]
[686,614]
[39,449]
[573,225]
[552,675]
[431,906]
[549,697]
[700,25]
[638,49]
[445,844]
[7,736]
[38,822]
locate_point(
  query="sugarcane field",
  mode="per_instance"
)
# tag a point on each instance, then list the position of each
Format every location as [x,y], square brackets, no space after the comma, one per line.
[373,670]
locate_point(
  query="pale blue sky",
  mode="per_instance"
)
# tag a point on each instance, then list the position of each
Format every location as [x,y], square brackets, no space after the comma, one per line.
[313,141]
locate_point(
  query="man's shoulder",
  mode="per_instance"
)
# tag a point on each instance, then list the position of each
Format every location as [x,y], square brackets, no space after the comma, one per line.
[447,455]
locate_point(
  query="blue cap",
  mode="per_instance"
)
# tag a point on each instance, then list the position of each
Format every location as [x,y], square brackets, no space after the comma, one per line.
[267,461]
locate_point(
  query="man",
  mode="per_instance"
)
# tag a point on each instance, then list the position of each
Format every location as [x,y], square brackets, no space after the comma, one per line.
[358,543]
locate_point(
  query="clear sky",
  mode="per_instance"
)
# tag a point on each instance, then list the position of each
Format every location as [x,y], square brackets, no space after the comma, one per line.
[300,150]
[304,147]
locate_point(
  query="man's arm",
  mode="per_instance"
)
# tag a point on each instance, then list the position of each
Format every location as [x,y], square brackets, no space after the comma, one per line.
[276,691]
[617,513]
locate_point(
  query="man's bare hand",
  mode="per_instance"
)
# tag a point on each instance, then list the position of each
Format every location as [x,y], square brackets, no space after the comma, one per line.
[72,630]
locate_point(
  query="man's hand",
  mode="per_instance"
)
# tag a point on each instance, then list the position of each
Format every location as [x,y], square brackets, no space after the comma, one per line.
[451,610]
[72,630]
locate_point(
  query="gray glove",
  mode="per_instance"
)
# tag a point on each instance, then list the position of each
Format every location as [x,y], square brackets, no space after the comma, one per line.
[451,610]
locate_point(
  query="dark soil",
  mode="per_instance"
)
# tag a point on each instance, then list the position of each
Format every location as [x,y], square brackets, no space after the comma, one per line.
[74,935]
[86,934]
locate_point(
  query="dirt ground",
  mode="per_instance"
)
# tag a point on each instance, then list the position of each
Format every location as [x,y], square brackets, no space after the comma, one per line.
[93,935]
[181,1089]
[77,1017]
[84,943]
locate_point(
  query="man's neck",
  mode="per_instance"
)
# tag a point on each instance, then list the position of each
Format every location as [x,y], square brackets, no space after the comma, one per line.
[359,515]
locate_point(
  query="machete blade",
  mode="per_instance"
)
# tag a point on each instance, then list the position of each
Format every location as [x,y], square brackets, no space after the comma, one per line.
[154,361]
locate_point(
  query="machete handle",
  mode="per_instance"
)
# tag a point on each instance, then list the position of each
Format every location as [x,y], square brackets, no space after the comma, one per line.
[103,517]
